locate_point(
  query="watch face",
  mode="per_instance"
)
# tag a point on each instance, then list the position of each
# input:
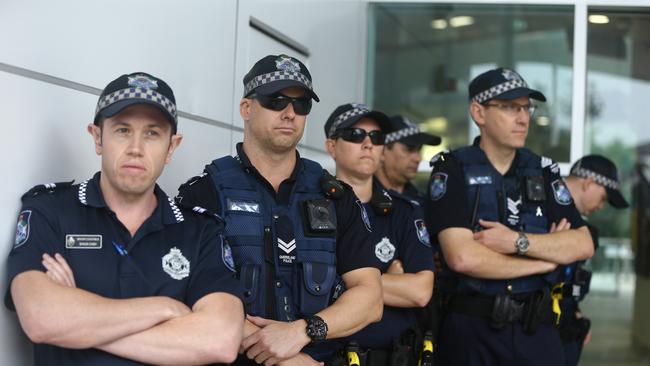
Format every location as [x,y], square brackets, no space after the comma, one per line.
[316,328]
[522,244]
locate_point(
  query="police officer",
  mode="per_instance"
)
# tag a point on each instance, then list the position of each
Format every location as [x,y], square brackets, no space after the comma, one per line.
[355,140]
[592,181]
[399,165]
[293,228]
[491,206]
[110,271]
[401,157]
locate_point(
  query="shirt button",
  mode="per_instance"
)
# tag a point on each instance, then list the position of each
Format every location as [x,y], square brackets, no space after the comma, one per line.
[278,284]
[247,293]
[317,288]
[509,288]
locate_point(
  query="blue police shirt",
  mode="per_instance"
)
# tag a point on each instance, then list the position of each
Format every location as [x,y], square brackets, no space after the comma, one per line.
[401,235]
[174,253]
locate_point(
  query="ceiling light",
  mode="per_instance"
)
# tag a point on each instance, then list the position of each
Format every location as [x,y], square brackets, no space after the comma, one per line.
[598,19]
[439,24]
[461,21]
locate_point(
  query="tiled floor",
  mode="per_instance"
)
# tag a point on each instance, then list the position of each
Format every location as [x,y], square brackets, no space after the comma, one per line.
[611,315]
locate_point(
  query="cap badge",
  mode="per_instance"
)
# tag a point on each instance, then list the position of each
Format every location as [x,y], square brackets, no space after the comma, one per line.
[285,63]
[142,81]
[510,75]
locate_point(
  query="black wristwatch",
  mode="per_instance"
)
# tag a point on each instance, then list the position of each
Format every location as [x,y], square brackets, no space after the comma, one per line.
[316,328]
[522,243]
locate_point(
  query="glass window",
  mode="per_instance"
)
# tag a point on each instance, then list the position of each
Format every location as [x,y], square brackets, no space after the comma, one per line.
[423,56]
[618,86]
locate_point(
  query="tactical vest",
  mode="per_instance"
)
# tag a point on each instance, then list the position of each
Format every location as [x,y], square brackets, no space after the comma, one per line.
[487,199]
[271,289]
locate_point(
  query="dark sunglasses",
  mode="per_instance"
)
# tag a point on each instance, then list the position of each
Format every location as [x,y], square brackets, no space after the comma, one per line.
[278,102]
[357,135]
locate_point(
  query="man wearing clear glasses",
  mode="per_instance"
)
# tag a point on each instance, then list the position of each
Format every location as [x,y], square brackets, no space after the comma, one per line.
[501,215]
[355,140]
[296,234]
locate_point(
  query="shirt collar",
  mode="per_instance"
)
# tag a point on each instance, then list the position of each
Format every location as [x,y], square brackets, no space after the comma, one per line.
[515,162]
[89,193]
[249,167]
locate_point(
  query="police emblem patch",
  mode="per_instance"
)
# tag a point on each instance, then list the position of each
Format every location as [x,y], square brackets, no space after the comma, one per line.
[226,255]
[438,186]
[561,192]
[22,228]
[423,234]
[364,216]
[142,81]
[510,74]
[385,250]
[175,264]
[285,63]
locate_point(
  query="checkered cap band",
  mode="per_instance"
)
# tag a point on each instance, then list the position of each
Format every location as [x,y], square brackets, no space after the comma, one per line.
[600,179]
[276,76]
[497,90]
[400,134]
[137,93]
[345,116]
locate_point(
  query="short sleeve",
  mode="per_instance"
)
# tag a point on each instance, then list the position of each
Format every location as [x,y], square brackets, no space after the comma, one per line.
[35,235]
[215,270]
[354,248]
[559,200]
[446,202]
[415,246]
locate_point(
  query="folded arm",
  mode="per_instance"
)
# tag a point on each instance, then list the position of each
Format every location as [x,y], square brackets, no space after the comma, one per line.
[210,333]
[73,318]
[466,255]
[406,290]
[559,246]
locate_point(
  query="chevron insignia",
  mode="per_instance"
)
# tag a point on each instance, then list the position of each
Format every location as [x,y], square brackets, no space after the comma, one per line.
[287,247]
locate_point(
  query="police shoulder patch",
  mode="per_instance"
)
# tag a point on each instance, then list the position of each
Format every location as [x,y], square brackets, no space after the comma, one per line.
[437,186]
[423,233]
[561,192]
[22,228]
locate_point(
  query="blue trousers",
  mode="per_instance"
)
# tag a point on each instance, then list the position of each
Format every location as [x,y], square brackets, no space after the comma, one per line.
[572,353]
[470,341]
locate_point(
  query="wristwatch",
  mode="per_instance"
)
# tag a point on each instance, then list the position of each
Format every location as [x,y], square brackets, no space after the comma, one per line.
[522,243]
[316,328]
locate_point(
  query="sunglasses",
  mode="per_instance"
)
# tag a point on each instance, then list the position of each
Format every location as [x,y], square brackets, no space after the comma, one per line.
[357,135]
[278,102]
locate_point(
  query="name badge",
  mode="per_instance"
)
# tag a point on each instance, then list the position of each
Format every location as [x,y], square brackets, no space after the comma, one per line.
[81,241]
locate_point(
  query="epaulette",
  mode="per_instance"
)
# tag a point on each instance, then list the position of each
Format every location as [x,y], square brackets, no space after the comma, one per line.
[47,188]
[413,203]
[192,180]
[550,164]
[203,212]
[441,156]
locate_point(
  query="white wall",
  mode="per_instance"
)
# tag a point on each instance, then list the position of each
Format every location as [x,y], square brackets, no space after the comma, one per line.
[52,51]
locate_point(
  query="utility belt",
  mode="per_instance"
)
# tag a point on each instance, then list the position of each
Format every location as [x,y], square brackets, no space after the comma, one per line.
[410,349]
[531,309]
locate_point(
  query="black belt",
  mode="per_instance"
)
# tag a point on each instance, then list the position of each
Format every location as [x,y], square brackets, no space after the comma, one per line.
[484,306]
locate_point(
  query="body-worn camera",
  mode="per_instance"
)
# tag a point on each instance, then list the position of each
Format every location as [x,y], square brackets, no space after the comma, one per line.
[535,189]
[321,217]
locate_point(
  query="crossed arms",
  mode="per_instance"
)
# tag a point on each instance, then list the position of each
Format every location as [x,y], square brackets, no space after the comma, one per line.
[157,329]
[490,253]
